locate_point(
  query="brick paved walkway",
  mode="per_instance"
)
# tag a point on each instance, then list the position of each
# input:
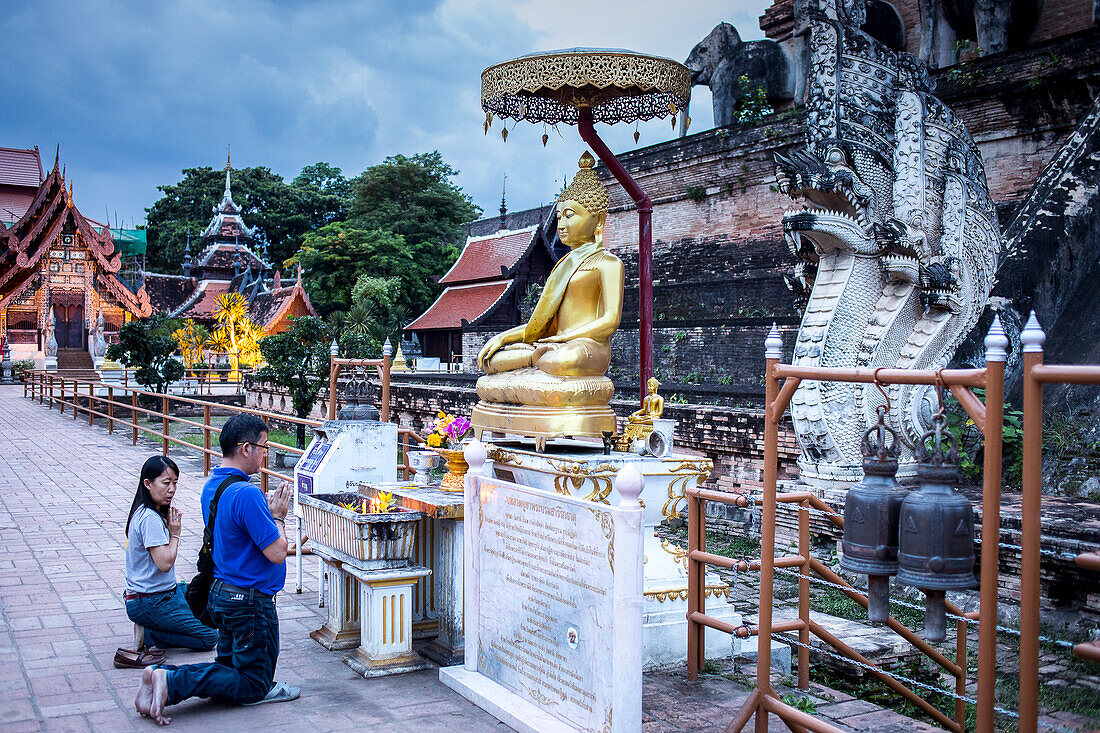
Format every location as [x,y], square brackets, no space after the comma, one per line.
[65,489]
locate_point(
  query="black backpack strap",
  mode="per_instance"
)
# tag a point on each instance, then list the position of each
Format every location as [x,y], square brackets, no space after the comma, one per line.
[208,532]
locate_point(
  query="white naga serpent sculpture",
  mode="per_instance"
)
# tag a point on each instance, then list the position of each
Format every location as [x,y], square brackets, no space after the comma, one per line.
[897,240]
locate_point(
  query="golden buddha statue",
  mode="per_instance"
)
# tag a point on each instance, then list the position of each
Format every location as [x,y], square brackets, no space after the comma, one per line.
[545,378]
[639,424]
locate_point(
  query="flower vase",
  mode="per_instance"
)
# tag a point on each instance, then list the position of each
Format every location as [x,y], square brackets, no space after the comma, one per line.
[455,480]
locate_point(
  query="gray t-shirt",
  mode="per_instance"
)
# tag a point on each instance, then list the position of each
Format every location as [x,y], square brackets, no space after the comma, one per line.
[147,530]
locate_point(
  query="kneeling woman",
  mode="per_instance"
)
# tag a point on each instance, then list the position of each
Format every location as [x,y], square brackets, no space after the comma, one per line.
[153,599]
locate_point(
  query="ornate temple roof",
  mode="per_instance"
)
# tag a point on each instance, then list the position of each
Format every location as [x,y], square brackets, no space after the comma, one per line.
[28,240]
[227,223]
[230,262]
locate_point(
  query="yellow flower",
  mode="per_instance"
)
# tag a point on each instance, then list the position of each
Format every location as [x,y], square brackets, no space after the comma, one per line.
[441,414]
[435,440]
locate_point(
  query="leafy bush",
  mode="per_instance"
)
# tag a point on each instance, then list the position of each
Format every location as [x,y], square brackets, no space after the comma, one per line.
[147,345]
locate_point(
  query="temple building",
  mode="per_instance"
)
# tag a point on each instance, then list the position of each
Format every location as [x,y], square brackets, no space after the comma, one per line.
[231,259]
[59,270]
[487,286]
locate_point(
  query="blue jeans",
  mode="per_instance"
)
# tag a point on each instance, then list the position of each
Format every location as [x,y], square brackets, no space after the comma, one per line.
[168,621]
[248,648]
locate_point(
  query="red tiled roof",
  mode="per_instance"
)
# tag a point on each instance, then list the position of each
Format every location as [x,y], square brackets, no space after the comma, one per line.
[203,301]
[20,168]
[482,257]
[458,302]
[168,292]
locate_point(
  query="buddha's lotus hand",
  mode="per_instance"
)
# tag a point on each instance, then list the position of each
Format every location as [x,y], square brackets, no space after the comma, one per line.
[555,339]
[491,347]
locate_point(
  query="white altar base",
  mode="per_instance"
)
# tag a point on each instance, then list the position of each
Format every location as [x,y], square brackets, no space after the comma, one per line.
[581,470]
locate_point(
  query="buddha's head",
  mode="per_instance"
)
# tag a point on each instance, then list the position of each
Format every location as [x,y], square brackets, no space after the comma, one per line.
[652,385]
[582,206]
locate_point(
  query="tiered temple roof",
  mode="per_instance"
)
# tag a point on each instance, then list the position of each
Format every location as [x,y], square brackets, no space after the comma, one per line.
[229,263]
[48,215]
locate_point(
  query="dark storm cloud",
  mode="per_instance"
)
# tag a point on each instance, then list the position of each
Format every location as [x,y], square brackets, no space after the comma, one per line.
[136,91]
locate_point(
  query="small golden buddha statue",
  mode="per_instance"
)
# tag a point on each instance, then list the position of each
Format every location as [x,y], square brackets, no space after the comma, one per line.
[639,424]
[545,378]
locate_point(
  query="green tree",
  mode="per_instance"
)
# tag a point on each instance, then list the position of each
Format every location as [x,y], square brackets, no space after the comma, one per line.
[415,198]
[282,212]
[298,360]
[148,345]
[336,255]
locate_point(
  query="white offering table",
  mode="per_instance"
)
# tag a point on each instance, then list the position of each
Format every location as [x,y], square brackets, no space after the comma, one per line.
[581,470]
[436,600]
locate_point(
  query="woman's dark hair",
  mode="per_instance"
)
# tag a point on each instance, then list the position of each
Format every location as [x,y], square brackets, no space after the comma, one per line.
[152,470]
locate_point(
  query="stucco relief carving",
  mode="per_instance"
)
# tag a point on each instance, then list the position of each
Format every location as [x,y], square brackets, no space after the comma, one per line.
[897,238]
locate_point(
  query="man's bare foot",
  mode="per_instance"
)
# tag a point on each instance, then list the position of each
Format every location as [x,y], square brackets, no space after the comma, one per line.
[144,700]
[159,696]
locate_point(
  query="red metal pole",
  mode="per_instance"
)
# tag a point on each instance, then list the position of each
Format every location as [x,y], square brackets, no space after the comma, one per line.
[645,244]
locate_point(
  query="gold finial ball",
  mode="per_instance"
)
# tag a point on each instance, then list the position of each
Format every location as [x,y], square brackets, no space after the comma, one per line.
[586,188]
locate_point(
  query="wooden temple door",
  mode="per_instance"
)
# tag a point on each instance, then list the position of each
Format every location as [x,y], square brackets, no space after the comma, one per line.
[70,326]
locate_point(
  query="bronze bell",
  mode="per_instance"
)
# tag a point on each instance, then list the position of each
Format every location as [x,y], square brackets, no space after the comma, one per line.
[871,510]
[937,531]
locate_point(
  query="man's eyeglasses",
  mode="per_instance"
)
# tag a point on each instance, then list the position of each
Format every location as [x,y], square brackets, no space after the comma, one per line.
[254,445]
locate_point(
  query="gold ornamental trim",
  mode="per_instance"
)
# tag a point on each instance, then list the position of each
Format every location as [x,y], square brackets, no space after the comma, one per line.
[615,84]
[681,594]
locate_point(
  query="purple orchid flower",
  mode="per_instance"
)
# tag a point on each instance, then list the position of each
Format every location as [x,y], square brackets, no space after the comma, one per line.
[458,428]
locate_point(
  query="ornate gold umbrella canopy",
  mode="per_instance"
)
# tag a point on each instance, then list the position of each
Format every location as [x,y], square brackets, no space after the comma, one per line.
[581,86]
[616,85]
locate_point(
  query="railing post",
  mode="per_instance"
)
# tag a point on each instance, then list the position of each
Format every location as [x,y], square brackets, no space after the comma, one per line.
[206,439]
[263,472]
[164,422]
[333,371]
[110,410]
[61,402]
[91,403]
[387,355]
[134,414]
[960,677]
[76,398]
[1031,526]
[696,630]
[996,352]
[773,352]
[804,595]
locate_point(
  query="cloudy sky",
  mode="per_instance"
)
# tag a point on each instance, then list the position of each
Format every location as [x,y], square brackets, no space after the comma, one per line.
[136,91]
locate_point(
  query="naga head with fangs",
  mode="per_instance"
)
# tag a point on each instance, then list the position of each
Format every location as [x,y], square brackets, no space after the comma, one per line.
[894,234]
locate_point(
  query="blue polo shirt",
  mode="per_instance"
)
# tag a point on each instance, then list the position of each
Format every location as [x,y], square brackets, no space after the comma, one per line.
[242,529]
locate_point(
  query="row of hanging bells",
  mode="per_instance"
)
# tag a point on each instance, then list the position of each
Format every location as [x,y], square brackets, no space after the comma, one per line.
[924,536]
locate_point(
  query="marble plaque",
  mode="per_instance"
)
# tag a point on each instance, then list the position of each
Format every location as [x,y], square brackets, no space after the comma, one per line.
[546,597]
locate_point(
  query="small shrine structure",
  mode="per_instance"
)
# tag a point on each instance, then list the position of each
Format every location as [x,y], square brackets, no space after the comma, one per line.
[59,270]
[232,260]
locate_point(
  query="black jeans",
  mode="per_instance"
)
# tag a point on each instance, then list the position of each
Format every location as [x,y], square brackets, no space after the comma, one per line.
[248,648]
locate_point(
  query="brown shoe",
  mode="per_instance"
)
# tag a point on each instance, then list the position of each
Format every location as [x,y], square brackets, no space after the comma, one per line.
[130,659]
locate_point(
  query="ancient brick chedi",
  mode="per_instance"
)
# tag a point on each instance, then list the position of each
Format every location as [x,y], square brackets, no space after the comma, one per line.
[897,238]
